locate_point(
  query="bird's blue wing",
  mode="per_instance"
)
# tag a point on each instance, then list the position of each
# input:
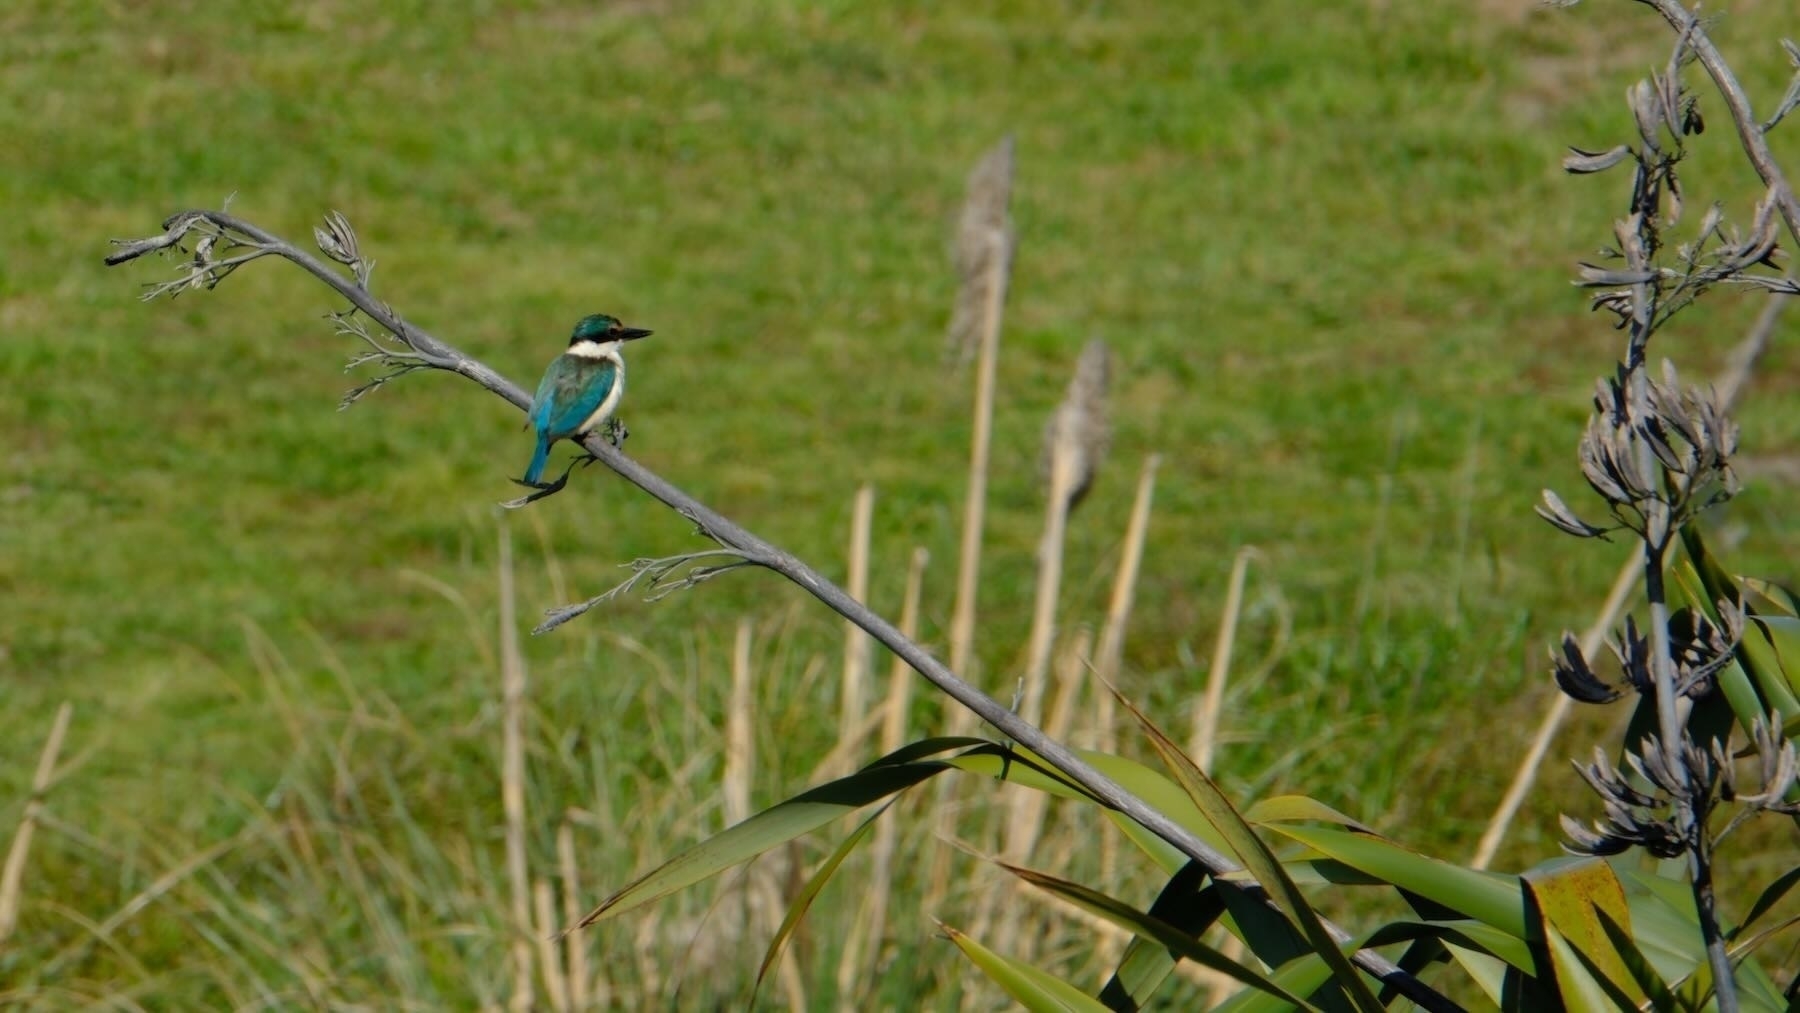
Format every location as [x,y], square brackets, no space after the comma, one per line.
[572,390]
[540,402]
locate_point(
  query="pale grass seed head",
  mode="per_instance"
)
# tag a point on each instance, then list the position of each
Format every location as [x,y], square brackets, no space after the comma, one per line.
[1078,427]
[983,236]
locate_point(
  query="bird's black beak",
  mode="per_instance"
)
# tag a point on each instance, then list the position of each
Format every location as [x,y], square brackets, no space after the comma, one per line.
[633,333]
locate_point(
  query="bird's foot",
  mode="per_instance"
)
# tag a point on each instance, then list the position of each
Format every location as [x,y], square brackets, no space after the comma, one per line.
[614,433]
[543,489]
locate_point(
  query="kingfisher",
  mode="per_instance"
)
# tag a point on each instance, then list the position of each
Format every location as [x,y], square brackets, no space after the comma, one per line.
[581,387]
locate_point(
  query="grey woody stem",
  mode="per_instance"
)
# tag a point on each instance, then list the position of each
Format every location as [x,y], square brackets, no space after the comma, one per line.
[1754,138]
[1750,132]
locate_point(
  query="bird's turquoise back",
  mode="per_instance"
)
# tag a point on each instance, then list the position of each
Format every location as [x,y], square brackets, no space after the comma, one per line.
[572,389]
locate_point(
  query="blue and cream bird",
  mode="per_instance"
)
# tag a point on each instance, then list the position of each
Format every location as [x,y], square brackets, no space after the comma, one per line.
[581,388]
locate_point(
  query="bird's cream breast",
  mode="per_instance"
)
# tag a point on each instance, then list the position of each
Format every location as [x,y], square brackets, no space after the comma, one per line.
[612,397]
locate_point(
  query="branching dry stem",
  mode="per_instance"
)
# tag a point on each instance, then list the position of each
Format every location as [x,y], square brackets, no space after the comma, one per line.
[743,549]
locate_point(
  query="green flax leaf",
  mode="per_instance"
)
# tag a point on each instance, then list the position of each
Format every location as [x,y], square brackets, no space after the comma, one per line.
[1146,926]
[777,825]
[810,892]
[1257,859]
[1489,897]
[1034,989]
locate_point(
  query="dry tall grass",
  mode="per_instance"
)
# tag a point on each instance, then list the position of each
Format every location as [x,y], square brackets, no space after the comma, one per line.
[982,255]
[12,876]
[983,259]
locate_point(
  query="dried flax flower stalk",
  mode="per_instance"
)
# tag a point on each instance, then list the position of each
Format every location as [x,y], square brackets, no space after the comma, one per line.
[743,548]
[1658,454]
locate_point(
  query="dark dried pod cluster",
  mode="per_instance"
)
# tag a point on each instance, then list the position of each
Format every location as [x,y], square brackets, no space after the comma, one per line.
[1700,648]
[1778,769]
[1692,437]
[1651,443]
[1643,811]
[1633,818]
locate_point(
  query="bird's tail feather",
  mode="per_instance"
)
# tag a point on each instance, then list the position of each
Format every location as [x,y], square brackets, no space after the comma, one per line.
[535,472]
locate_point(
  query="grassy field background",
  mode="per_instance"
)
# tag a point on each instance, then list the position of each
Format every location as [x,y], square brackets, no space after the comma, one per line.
[1330,252]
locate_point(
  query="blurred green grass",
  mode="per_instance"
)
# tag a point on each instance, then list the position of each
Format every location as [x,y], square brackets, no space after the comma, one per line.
[1330,252]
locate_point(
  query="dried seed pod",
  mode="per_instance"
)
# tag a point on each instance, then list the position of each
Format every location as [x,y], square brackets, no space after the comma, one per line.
[1576,677]
[1579,163]
[1647,108]
[337,239]
[1592,276]
[1554,510]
